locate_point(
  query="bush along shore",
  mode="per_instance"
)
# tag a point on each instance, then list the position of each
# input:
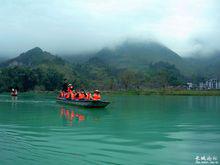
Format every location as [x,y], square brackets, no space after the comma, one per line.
[166,92]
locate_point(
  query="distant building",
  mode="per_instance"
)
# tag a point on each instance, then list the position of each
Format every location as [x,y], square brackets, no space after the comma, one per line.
[189,85]
[212,84]
[202,86]
[209,84]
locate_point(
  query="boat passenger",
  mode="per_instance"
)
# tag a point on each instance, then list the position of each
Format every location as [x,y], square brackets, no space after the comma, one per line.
[85,95]
[76,97]
[96,95]
[67,95]
[88,96]
[72,93]
[70,88]
[81,96]
[61,94]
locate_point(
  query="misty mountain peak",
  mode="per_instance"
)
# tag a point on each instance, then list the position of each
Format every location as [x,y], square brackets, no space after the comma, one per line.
[34,51]
[32,57]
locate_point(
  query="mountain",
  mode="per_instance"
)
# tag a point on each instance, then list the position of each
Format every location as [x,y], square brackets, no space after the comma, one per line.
[33,57]
[130,65]
[35,70]
[138,55]
[3,59]
[205,66]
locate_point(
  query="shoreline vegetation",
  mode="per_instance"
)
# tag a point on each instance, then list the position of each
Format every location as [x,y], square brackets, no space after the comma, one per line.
[171,92]
[38,70]
[166,92]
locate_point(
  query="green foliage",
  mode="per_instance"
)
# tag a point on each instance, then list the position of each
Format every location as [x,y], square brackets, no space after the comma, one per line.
[106,70]
[165,74]
[26,79]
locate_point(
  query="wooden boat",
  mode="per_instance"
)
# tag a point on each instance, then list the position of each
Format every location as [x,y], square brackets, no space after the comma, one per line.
[84,103]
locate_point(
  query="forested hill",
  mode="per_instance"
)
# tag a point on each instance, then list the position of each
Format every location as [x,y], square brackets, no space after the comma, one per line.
[138,55]
[2,59]
[205,66]
[131,65]
[132,54]
[35,70]
[33,57]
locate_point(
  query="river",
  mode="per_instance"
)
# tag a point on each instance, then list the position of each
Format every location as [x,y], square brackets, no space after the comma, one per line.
[167,130]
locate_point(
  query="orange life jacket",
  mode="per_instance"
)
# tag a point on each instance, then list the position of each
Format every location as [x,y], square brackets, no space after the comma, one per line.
[69,89]
[72,95]
[61,94]
[67,95]
[96,96]
[81,96]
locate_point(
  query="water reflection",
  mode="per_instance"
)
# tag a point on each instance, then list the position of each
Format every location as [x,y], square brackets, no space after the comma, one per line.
[71,115]
[14,102]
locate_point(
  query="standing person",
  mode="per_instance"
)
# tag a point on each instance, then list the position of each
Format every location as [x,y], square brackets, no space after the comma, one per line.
[16,92]
[70,88]
[13,92]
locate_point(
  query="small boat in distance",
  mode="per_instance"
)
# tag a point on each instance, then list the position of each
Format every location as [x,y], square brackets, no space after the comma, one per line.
[84,103]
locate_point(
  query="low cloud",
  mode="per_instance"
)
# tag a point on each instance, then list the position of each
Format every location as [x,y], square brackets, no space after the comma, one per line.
[68,27]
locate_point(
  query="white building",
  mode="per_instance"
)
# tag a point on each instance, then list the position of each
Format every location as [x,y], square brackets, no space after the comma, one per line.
[189,85]
[202,86]
[212,84]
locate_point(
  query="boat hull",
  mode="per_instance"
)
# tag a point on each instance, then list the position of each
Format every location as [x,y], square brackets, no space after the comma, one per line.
[84,103]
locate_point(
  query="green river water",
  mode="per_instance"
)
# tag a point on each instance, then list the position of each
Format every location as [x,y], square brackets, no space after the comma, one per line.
[165,130]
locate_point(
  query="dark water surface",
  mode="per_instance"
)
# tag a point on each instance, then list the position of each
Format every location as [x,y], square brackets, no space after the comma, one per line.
[34,129]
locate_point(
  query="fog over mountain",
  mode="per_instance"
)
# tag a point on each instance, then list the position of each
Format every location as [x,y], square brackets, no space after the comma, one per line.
[72,27]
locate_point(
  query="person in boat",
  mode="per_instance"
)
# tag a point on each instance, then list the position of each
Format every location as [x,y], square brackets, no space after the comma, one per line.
[88,96]
[72,94]
[61,94]
[76,96]
[70,88]
[82,95]
[85,94]
[96,95]
[69,93]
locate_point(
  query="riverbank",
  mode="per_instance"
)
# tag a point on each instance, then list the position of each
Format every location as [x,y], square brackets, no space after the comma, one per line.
[142,92]
[166,92]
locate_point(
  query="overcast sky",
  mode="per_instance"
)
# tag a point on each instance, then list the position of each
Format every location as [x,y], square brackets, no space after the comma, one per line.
[73,26]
